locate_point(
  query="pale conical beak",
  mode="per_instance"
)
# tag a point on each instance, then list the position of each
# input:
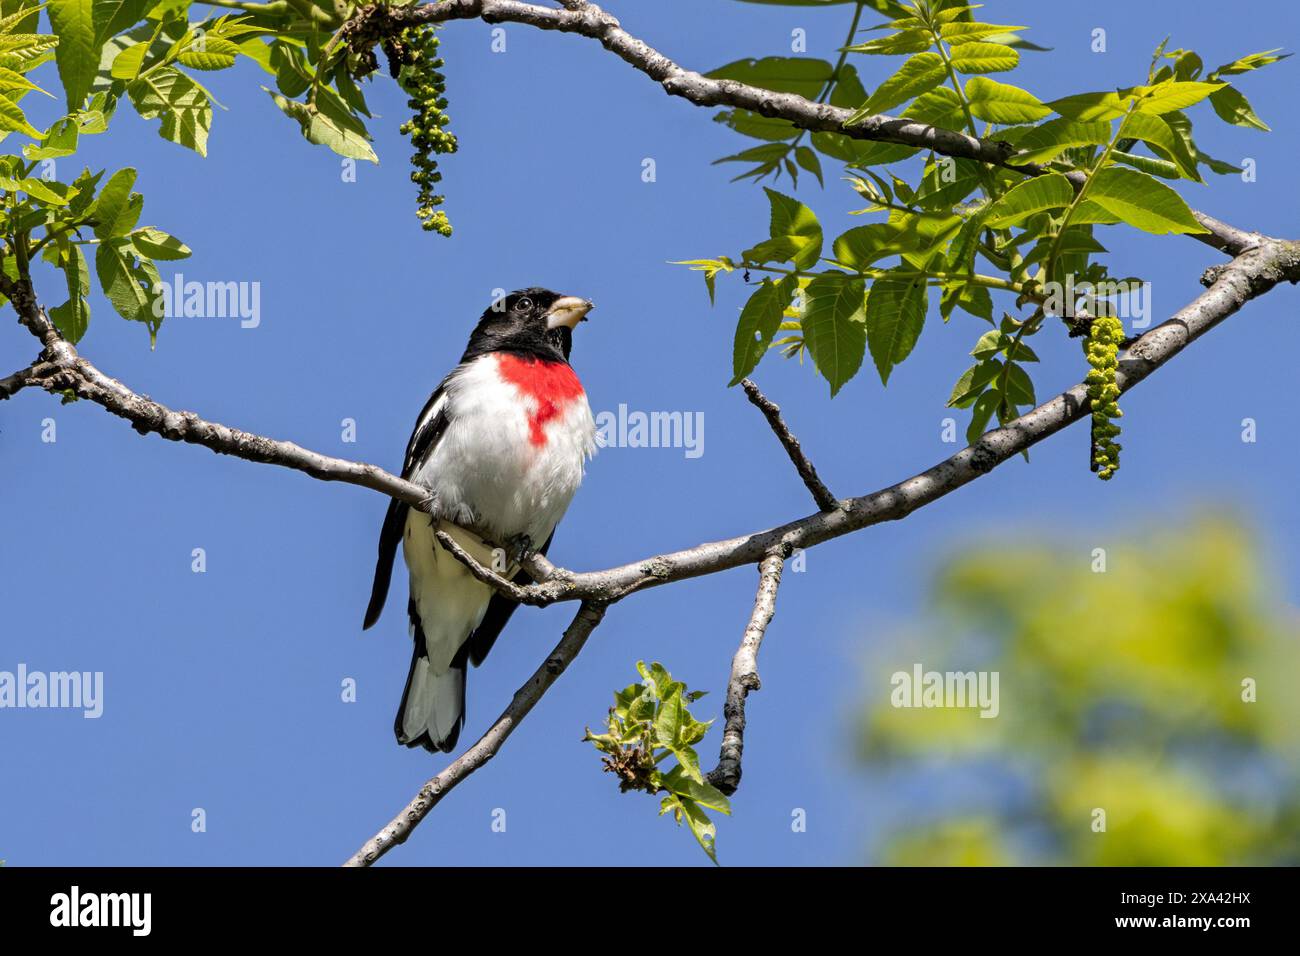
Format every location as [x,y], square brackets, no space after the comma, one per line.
[567,311]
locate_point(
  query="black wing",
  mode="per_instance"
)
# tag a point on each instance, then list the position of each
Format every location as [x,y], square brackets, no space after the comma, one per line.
[428,432]
[495,617]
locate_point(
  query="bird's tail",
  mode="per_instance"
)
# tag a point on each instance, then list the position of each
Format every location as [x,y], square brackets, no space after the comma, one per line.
[433,704]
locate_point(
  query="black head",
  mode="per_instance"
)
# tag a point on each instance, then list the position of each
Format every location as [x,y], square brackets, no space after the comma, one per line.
[533,322]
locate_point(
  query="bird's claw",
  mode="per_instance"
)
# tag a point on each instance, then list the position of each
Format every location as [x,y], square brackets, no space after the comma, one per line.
[520,546]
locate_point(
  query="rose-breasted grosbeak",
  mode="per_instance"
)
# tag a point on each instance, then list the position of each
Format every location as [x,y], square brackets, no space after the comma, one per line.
[501,445]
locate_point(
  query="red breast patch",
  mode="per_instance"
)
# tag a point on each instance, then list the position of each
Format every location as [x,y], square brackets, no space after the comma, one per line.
[551,386]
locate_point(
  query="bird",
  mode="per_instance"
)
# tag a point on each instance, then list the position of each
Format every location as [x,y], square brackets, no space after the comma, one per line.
[502,445]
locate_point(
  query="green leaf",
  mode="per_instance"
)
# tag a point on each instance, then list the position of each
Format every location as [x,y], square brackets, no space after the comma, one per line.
[806,158]
[1232,107]
[1090,212]
[968,296]
[988,345]
[904,41]
[12,119]
[1050,191]
[768,154]
[24,47]
[759,321]
[710,268]
[834,327]
[78,52]
[23,20]
[127,284]
[73,317]
[117,209]
[1048,140]
[917,75]
[984,58]
[757,126]
[946,183]
[705,794]
[940,107]
[783,74]
[1164,142]
[1247,63]
[1182,127]
[859,247]
[701,827]
[1091,107]
[983,410]
[59,140]
[113,16]
[126,65]
[997,102]
[1141,201]
[1020,43]
[972,382]
[156,244]
[962,32]
[961,251]
[791,219]
[1171,95]
[11,82]
[36,189]
[924,234]
[329,124]
[218,53]
[896,309]
[180,103]
[1020,388]
[1147,164]
[293,75]
[668,721]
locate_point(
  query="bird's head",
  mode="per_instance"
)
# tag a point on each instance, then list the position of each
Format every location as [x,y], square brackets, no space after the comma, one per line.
[535,322]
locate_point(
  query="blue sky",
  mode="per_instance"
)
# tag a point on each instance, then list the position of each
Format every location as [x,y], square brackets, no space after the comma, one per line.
[222,689]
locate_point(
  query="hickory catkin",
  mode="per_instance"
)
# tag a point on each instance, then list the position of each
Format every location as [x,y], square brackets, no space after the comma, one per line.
[422,79]
[1102,348]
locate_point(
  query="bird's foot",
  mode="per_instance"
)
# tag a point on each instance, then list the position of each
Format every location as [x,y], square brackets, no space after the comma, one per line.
[520,547]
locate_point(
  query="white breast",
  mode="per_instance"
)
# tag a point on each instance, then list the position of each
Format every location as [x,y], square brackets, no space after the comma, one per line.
[487,470]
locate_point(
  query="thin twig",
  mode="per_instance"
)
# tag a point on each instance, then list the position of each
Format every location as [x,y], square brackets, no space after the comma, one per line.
[487,575]
[744,676]
[772,412]
[525,698]
[10,385]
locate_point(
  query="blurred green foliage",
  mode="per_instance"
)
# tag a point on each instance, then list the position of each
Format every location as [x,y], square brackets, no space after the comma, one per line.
[1122,690]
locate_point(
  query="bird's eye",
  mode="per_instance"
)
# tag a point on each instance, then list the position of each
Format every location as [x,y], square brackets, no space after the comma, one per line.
[524,304]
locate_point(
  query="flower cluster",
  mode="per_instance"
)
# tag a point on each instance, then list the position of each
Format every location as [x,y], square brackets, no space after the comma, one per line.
[422,79]
[1102,349]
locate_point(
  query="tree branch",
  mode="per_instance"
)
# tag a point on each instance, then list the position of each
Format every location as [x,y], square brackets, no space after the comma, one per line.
[1232,285]
[744,676]
[589,20]
[62,368]
[10,385]
[526,697]
[486,575]
[772,412]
